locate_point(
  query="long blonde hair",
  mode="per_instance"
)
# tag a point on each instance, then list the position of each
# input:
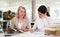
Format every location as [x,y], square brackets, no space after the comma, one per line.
[17,15]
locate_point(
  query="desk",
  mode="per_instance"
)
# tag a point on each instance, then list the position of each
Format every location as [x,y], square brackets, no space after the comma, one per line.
[35,34]
[27,34]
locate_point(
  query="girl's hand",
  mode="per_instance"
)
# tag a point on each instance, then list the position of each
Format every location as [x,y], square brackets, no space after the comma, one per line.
[24,29]
[31,30]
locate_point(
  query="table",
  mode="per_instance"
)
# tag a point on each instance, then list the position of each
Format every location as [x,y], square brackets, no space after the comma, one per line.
[35,34]
[27,34]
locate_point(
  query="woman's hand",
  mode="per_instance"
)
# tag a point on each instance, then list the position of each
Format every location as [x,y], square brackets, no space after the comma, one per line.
[24,29]
[31,30]
[9,30]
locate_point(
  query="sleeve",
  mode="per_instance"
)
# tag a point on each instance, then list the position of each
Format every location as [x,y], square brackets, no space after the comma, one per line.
[51,21]
[12,25]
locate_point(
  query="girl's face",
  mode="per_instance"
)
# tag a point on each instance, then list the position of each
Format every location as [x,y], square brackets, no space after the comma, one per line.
[41,15]
[22,13]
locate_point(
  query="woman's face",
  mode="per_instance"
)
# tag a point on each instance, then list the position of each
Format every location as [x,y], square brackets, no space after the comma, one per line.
[22,13]
[41,15]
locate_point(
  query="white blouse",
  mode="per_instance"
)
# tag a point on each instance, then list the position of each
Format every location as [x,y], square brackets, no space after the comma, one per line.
[19,26]
[42,23]
[16,24]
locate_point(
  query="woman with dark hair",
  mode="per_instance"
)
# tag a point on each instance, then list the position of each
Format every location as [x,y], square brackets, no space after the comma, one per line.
[43,20]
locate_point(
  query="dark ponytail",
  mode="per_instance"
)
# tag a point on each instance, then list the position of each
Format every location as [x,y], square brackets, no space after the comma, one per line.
[42,9]
[48,14]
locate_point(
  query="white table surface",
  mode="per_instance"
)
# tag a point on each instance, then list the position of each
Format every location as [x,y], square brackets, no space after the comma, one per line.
[35,34]
[28,34]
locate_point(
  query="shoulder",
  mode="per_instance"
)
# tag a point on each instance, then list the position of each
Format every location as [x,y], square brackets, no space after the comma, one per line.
[14,19]
[50,18]
[38,20]
[27,19]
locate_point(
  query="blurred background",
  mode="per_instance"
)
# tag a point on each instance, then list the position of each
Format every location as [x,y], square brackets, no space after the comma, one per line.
[31,6]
